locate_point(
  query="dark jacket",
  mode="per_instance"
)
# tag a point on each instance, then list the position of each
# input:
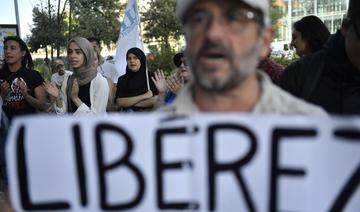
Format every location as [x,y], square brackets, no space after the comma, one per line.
[326,78]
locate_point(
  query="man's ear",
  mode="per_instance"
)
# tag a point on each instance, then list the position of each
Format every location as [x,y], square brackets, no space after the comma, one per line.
[267,38]
[345,26]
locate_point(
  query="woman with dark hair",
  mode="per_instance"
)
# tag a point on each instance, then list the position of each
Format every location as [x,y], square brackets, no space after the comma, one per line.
[21,86]
[309,35]
[85,91]
[135,89]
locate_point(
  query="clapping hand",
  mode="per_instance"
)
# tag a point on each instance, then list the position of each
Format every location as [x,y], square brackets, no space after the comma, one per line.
[23,87]
[51,89]
[159,81]
[175,84]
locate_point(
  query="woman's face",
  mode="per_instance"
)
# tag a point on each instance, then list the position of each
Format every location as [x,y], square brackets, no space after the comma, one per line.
[96,60]
[75,55]
[13,53]
[133,62]
[300,44]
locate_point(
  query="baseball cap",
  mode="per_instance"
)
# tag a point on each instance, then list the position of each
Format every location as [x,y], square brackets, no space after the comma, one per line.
[182,6]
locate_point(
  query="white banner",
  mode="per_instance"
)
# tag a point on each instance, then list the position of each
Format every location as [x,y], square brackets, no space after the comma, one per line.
[129,36]
[218,162]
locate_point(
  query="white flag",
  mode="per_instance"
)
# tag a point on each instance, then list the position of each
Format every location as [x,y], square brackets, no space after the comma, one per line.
[129,36]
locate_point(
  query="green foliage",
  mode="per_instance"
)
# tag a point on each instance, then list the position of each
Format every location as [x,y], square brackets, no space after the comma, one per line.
[276,13]
[94,18]
[284,59]
[48,27]
[52,25]
[44,70]
[46,30]
[160,22]
[162,59]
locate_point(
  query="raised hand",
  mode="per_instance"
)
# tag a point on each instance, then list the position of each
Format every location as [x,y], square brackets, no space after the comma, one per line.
[159,81]
[175,84]
[51,89]
[75,89]
[23,87]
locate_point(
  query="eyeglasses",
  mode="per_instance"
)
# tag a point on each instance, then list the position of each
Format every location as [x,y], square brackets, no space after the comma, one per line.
[234,19]
[357,32]
[59,66]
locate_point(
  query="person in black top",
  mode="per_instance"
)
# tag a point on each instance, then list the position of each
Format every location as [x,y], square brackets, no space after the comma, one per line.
[21,86]
[309,35]
[135,89]
[331,78]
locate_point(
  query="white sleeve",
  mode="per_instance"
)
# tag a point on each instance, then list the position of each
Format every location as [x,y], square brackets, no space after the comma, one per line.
[62,110]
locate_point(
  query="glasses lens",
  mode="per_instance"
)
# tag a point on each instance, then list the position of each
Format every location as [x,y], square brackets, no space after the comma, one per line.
[233,19]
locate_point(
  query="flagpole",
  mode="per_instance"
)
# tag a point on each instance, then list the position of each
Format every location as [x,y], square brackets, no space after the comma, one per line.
[147,79]
[17,16]
[140,32]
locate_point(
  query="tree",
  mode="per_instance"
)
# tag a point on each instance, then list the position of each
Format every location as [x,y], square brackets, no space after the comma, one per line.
[48,28]
[162,30]
[160,23]
[94,18]
[276,13]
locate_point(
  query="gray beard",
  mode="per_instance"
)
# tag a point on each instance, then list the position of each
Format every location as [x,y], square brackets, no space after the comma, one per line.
[247,67]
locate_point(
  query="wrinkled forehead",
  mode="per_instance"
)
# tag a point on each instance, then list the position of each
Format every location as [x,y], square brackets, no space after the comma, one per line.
[221,5]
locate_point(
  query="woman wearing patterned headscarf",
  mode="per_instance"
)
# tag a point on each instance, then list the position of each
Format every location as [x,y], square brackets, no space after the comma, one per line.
[85,91]
[135,91]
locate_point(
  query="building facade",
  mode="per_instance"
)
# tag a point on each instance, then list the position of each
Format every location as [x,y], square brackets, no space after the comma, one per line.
[331,12]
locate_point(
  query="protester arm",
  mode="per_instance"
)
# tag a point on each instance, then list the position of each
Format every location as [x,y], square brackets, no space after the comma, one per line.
[38,101]
[150,102]
[125,102]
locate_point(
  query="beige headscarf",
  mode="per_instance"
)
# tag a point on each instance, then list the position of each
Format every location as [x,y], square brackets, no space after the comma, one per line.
[85,73]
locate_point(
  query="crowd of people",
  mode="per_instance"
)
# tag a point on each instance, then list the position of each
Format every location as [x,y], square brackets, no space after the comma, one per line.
[226,43]
[91,86]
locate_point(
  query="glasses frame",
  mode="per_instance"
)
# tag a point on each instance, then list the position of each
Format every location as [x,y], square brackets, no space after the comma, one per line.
[247,13]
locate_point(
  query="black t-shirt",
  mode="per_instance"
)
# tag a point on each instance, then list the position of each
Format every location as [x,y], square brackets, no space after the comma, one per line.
[84,96]
[338,89]
[14,103]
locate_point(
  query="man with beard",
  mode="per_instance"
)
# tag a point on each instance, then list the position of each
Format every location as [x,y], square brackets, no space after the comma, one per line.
[225,41]
[60,73]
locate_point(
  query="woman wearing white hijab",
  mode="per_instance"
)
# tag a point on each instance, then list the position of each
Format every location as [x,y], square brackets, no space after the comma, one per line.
[85,91]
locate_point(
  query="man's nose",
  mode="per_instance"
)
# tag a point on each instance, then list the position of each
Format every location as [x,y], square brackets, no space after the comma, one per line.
[215,29]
